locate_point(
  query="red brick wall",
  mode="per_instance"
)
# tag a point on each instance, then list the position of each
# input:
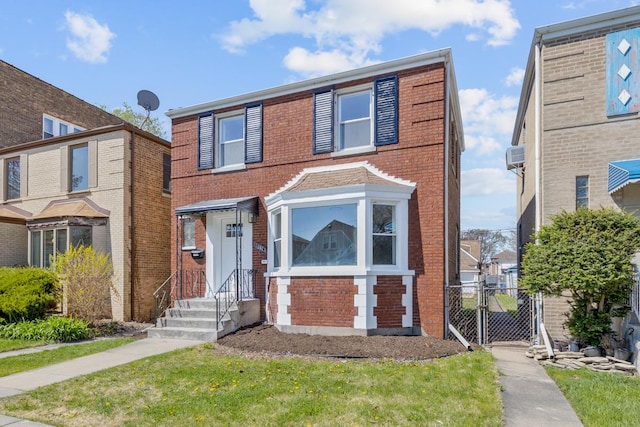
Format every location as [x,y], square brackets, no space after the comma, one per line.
[389,310]
[287,149]
[323,301]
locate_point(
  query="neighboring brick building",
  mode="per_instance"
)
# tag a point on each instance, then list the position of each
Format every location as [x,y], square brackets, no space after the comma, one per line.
[341,194]
[577,125]
[31,109]
[107,187]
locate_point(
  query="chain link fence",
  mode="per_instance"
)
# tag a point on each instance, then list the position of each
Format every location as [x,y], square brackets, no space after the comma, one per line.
[488,314]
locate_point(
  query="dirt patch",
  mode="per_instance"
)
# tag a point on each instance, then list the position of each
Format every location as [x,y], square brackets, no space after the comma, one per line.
[112,328]
[267,339]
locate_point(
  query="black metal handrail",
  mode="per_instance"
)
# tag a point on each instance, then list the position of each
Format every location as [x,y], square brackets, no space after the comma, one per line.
[181,284]
[239,285]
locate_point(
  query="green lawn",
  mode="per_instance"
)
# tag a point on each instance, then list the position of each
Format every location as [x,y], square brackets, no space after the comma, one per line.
[26,362]
[600,399]
[9,345]
[197,386]
[508,303]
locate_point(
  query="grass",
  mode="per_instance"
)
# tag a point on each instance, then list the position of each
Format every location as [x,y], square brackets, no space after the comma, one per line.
[508,303]
[196,387]
[10,345]
[600,399]
[25,362]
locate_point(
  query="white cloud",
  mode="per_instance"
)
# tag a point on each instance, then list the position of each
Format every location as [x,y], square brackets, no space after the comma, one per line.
[488,120]
[515,76]
[320,63]
[347,31]
[487,182]
[90,40]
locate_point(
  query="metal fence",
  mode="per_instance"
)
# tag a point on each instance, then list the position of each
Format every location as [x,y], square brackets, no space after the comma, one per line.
[488,314]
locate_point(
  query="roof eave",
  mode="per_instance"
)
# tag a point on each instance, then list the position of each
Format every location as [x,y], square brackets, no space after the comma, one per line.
[432,57]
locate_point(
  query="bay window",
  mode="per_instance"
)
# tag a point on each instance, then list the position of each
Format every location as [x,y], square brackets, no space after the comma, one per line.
[46,244]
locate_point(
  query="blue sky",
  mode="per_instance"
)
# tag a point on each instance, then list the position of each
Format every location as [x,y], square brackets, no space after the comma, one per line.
[198,51]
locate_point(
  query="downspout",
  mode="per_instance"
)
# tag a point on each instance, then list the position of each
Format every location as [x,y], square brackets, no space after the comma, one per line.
[537,91]
[537,142]
[132,228]
[447,119]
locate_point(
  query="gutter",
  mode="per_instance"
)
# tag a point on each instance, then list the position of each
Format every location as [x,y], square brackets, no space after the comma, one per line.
[448,65]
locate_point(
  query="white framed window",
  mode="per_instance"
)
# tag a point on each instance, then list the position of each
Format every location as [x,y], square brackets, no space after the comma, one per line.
[230,140]
[582,192]
[384,236]
[188,232]
[354,124]
[52,126]
[276,228]
[325,235]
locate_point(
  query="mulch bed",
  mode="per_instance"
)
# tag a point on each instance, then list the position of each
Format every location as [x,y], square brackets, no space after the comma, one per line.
[266,339]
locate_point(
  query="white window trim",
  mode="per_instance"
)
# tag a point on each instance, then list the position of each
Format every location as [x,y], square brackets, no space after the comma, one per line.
[336,126]
[364,196]
[183,246]
[217,133]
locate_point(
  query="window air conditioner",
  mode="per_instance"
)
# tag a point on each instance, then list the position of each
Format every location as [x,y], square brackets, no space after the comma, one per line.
[515,157]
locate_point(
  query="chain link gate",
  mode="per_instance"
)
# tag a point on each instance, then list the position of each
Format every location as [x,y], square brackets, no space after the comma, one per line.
[488,314]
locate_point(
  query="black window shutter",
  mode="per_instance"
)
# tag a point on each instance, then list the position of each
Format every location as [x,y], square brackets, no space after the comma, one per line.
[323,121]
[205,141]
[386,110]
[253,133]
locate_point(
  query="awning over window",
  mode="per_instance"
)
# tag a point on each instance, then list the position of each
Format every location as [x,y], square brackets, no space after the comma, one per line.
[13,215]
[79,207]
[623,172]
[245,204]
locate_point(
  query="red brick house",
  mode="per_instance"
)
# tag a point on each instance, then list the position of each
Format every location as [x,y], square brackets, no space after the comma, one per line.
[334,202]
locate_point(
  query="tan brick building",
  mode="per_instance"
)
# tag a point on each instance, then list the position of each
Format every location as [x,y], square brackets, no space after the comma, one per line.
[339,195]
[108,188]
[577,126]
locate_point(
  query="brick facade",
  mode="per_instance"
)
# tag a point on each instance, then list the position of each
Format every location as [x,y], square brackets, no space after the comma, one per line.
[418,157]
[26,98]
[44,161]
[577,138]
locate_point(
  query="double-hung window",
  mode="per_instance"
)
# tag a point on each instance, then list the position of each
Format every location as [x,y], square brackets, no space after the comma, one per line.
[230,140]
[384,234]
[230,144]
[352,119]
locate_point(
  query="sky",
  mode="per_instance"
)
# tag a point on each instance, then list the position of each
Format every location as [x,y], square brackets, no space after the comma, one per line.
[198,51]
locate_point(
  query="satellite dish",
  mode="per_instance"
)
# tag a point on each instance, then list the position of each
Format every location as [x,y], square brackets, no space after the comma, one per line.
[148,100]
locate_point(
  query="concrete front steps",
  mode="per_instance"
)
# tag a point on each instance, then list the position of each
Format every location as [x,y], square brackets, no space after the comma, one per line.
[195,319]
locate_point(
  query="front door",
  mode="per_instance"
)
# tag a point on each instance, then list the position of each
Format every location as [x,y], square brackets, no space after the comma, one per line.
[222,229]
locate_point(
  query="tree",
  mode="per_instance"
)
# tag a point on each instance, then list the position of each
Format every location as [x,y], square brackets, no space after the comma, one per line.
[587,253]
[491,242]
[152,125]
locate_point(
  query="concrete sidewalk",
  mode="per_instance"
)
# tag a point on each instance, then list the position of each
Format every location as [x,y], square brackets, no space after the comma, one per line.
[529,397]
[30,380]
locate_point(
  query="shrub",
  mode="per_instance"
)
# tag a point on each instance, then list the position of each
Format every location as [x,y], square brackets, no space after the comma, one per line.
[27,293]
[52,329]
[87,282]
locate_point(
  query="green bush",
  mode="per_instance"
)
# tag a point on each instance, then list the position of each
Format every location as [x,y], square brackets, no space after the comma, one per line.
[52,329]
[27,293]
